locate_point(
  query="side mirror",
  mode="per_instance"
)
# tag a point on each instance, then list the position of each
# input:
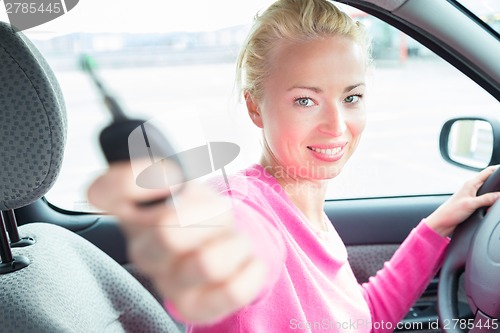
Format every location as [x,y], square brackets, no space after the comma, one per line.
[471,143]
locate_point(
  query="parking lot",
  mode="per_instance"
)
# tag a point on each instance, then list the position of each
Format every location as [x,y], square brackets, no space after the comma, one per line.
[202,100]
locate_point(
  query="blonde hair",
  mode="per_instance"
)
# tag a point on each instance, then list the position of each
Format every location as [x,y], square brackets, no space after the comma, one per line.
[294,21]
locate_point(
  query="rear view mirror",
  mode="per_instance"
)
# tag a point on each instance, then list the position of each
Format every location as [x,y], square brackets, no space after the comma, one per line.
[472,143]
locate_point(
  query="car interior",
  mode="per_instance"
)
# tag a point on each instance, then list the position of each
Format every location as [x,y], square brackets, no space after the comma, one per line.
[40,290]
[64,271]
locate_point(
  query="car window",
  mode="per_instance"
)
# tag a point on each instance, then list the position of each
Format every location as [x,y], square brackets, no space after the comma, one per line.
[486,10]
[182,78]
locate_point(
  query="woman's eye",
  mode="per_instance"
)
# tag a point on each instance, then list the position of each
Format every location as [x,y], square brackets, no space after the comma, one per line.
[304,101]
[352,99]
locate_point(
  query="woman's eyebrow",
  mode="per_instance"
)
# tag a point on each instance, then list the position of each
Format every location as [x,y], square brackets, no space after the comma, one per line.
[315,89]
[354,86]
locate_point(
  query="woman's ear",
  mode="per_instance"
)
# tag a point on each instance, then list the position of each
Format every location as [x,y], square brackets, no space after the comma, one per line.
[253,110]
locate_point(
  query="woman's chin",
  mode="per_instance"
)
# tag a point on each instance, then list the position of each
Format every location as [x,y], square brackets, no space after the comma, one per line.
[326,174]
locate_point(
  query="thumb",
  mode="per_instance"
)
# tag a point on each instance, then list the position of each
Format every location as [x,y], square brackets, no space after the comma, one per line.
[486,200]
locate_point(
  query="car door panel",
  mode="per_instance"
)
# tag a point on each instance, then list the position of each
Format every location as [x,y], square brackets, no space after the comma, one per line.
[373,229]
[379,220]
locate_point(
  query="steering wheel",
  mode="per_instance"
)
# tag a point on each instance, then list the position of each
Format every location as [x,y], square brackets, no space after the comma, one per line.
[475,249]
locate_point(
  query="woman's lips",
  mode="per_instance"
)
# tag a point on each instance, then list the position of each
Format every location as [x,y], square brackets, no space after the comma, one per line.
[328,153]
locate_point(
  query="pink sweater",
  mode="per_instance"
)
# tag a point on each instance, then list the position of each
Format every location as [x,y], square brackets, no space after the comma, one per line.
[311,286]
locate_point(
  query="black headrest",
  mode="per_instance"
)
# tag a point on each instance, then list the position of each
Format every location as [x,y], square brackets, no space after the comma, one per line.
[32,122]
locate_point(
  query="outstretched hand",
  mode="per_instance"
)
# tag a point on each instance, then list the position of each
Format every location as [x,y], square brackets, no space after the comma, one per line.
[205,268]
[462,204]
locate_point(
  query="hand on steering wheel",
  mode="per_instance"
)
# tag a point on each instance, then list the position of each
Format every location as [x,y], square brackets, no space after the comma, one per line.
[475,249]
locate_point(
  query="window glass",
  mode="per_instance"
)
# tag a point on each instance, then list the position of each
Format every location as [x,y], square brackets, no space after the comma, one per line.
[412,93]
[182,78]
[486,10]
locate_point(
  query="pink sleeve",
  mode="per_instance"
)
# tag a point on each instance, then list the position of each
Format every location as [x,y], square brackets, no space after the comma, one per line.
[396,287]
[259,224]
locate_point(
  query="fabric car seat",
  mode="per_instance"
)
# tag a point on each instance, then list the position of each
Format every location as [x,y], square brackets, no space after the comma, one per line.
[70,285]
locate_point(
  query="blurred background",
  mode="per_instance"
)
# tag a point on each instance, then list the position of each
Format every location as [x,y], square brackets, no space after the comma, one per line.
[174,62]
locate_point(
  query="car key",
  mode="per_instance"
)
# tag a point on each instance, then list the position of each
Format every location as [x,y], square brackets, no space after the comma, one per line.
[148,141]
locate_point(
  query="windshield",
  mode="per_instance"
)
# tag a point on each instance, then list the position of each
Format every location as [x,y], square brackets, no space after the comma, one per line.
[486,10]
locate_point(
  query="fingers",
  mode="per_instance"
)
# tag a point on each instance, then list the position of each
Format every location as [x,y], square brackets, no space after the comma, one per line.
[467,196]
[484,175]
[117,193]
[486,200]
[214,263]
[209,280]
[152,247]
[471,187]
[117,188]
[202,305]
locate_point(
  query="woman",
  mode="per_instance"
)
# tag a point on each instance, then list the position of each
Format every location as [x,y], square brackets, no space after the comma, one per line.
[276,264]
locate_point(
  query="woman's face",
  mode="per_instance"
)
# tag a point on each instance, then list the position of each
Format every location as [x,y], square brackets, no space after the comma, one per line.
[312,109]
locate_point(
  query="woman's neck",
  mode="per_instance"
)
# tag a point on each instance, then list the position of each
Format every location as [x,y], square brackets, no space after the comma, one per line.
[307,195]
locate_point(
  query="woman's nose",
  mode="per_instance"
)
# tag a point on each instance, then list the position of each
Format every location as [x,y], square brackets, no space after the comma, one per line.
[333,122]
